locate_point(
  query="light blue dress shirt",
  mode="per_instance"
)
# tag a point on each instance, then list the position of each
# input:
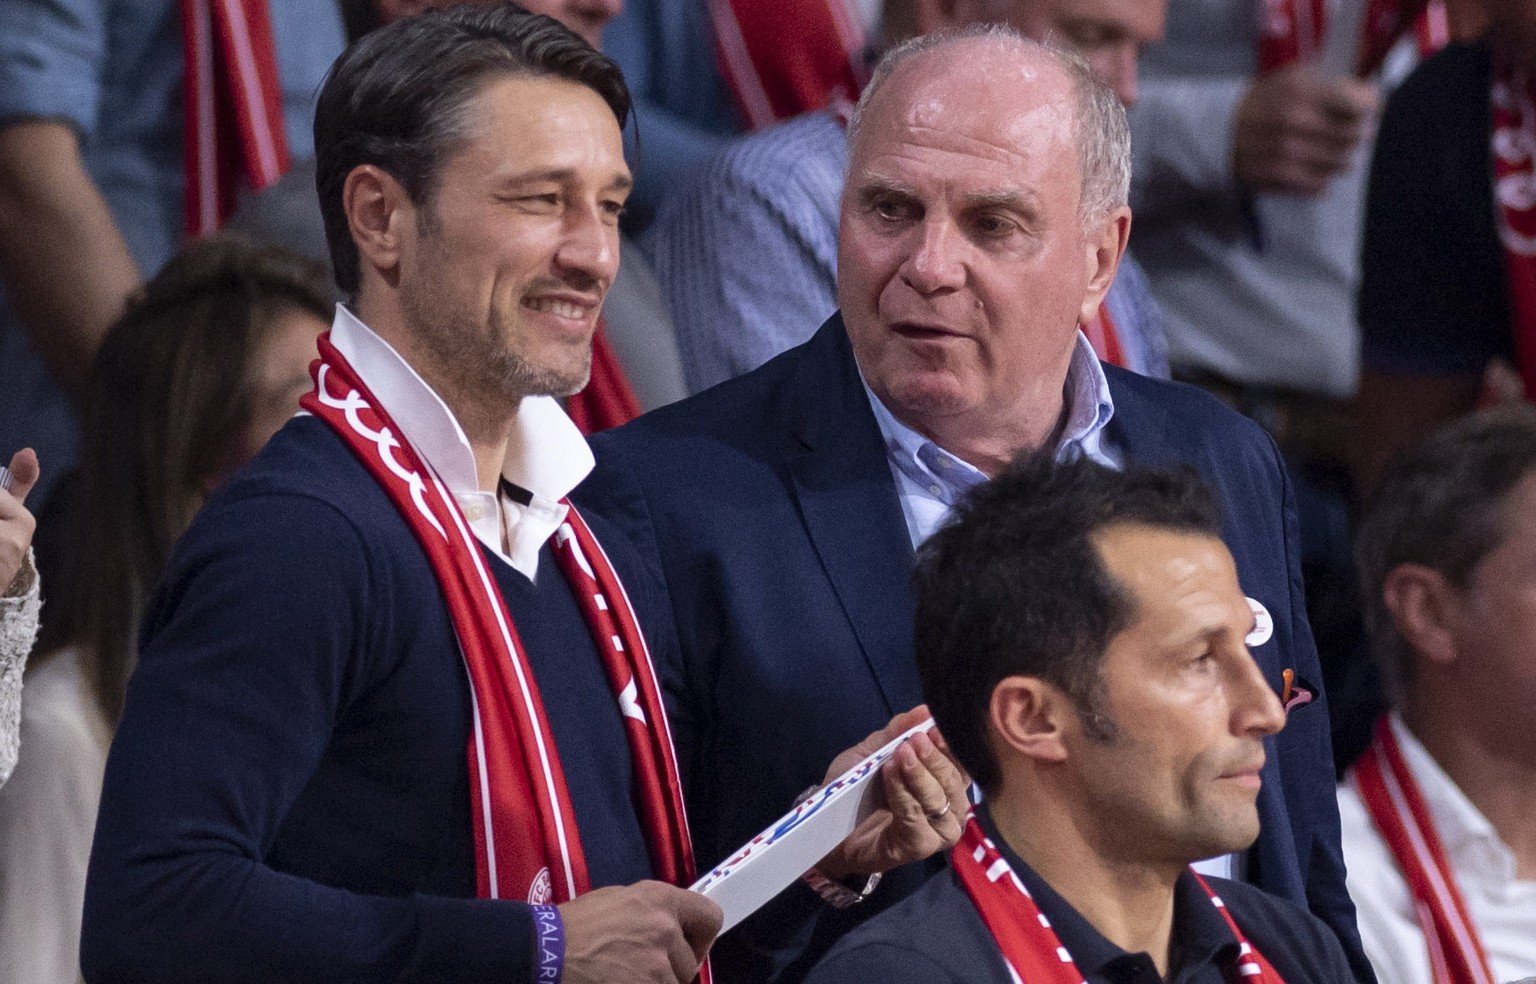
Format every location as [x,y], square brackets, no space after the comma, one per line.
[930,481]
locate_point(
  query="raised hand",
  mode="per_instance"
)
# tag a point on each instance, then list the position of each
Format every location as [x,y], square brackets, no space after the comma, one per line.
[1296,130]
[16,524]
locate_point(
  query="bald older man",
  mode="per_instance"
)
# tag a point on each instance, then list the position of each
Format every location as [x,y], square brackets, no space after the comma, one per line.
[747,251]
[982,223]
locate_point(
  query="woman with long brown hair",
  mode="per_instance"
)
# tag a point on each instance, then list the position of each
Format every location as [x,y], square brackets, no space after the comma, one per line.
[207,362]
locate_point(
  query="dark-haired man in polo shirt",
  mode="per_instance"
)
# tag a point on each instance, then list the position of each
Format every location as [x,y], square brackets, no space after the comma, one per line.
[1081,640]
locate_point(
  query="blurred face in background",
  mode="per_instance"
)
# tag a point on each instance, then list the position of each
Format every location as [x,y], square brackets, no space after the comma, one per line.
[586,17]
[1109,34]
[279,374]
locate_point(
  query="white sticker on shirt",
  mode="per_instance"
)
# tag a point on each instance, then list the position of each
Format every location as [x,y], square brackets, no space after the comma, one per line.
[1263,625]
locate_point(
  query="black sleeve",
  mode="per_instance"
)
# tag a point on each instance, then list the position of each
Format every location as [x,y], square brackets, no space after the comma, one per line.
[880,963]
[252,651]
[1432,292]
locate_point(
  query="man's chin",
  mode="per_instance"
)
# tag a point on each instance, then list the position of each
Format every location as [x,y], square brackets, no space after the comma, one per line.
[1234,836]
[524,380]
[931,395]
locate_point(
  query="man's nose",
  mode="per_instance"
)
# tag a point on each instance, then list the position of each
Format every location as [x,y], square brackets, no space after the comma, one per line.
[936,262]
[1256,708]
[590,244]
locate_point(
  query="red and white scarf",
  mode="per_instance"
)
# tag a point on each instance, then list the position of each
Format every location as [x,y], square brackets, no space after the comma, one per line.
[1030,946]
[1293,30]
[1514,192]
[1397,807]
[1105,338]
[526,842]
[781,58]
[233,106]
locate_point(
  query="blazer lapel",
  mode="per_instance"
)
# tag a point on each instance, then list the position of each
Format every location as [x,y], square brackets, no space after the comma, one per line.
[843,487]
[1141,428]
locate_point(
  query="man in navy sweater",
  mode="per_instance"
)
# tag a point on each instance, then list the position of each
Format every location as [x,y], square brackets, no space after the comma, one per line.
[1081,638]
[394,718]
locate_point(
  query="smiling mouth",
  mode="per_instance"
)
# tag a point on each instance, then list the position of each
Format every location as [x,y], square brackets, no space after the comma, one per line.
[559,308]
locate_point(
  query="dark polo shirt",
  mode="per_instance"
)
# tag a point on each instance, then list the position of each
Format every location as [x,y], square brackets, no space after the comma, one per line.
[937,935]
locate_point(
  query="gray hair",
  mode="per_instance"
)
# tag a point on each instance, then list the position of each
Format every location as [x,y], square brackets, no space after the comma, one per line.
[1103,137]
[1443,505]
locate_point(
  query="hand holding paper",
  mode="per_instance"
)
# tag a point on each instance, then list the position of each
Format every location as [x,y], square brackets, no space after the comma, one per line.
[16,524]
[920,805]
[894,798]
[646,932]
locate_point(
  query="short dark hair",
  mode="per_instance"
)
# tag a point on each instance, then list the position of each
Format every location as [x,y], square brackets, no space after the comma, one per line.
[396,99]
[1443,504]
[1014,585]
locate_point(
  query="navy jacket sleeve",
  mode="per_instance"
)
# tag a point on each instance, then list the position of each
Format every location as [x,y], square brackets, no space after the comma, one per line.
[255,647]
[1306,781]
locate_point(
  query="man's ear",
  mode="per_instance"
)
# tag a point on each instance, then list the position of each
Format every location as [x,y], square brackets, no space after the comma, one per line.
[1103,246]
[377,209]
[1423,605]
[1030,717]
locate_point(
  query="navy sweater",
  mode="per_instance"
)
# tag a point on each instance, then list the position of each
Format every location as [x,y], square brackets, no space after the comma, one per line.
[287,798]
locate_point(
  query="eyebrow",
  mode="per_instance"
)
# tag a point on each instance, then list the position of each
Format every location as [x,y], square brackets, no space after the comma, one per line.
[872,189]
[620,182]
[1013,198]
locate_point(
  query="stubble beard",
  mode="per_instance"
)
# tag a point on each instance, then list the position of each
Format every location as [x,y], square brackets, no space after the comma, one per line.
[518,377]
[469,357]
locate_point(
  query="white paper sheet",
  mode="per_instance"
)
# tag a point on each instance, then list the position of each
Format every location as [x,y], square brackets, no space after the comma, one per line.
[769,862]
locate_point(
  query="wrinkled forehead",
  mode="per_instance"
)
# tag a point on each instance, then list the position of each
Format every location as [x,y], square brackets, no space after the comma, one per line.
[987,95]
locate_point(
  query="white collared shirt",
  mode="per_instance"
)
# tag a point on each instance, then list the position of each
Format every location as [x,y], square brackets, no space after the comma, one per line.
[546,456]
[1502,908]
[930,480]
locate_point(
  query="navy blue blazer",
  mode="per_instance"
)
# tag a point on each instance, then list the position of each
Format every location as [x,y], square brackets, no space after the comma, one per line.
[767,507]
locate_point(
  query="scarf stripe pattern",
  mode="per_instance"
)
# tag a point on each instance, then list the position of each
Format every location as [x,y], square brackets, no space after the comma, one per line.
[1514,191]
[1397,807]
[1294,30]
[233,106]
[526,839]
[1031,949]
[782,58]
[1105,338]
